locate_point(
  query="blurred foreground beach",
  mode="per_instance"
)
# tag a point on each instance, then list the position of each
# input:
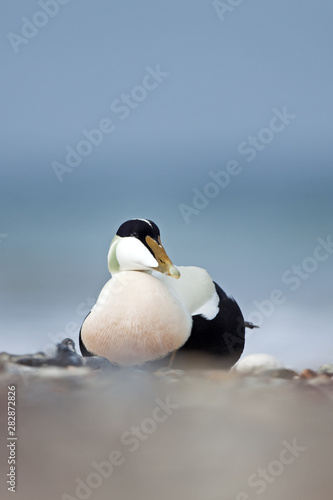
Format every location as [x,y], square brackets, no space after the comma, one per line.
[194,434]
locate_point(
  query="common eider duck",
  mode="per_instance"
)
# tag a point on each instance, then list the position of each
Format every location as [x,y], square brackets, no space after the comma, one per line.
[150,308]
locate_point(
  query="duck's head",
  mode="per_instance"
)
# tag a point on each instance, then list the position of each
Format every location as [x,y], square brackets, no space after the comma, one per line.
[137,247]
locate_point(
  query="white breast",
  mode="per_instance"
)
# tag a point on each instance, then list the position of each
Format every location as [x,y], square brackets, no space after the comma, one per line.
[136,319]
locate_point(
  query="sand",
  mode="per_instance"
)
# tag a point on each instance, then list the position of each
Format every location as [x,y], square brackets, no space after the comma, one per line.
[187,433]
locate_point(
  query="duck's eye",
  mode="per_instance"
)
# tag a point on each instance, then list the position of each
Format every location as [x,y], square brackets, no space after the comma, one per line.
[135,235]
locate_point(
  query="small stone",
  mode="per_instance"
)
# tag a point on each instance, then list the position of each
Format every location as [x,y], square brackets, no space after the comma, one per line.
[69,343]
[17,358]
[31,361]
[257,364]
[307,373]
[4,357]
[326,370]
[34,360]
[66,355]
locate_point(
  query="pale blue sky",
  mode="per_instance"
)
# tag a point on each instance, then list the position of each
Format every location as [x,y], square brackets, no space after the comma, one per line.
[224,80]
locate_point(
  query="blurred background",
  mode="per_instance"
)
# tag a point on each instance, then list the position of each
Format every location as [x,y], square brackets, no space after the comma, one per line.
[217,78]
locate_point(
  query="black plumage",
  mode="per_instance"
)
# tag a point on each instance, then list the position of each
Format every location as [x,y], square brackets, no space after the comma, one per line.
[222,337]
[83,349]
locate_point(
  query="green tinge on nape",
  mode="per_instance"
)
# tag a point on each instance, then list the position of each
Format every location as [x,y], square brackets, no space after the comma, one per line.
[113,264]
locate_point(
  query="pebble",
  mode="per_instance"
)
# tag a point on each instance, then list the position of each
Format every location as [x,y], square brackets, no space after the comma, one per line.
[308,373]
[326,370]
[5,357]
[66,354]
[68,364]
[257,364]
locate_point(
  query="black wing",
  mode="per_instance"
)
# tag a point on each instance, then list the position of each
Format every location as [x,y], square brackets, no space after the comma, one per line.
[222,336]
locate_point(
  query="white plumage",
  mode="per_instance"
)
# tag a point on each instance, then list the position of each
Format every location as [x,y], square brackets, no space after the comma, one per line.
[195,290]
